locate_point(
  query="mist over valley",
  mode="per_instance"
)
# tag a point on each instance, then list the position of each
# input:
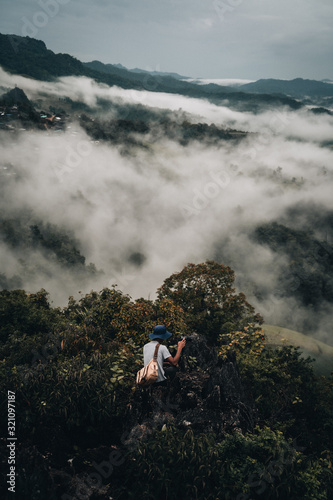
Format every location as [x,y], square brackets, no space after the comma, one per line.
[166,175]
[103,185]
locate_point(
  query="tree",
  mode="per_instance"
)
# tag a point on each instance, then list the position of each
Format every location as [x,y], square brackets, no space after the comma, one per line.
[26,313]
[205,293]
[118,317]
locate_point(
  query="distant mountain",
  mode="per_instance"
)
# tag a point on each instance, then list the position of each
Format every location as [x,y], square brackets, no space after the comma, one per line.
[164,82]
[117,66]
[157,81]
[153,73]
[27,56]
[297,88]
[160,73]
[30,57]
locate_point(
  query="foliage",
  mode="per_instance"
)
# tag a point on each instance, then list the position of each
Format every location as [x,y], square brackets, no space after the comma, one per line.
[278,379]
[173,464]
[171,315]
[24,231]
[322,416]
[40,250]
[24,313]
[310,261]
[84,391]
[251,340]
[118,317]
[283,385]
[21,349]
[73,373]
[288,395]
[205,293]
[141,122]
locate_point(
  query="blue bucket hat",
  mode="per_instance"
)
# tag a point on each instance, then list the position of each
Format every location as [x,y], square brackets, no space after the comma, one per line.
[160,332]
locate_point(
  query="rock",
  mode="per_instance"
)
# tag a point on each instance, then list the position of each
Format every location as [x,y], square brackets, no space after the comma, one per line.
[206,397]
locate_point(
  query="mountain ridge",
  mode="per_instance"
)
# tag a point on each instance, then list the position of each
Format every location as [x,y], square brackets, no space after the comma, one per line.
[30,57]
[51,65]
[298,87]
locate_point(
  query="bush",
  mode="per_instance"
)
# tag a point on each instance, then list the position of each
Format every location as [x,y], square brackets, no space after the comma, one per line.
[83,392]
[173,464]
[118,317]
[26,313]
[251,340]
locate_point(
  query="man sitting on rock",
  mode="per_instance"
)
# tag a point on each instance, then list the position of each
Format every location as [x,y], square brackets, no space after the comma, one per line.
[160,334]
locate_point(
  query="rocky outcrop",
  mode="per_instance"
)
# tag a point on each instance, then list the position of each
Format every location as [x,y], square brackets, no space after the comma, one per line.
[206,395]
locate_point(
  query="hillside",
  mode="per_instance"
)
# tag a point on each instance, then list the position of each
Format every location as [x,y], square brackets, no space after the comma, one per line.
[112,68]
[309,346]
[297,88]
[309,255]
[235,411]
[30,57]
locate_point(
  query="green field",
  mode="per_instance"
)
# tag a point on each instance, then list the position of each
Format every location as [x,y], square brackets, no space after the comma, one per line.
[322,353]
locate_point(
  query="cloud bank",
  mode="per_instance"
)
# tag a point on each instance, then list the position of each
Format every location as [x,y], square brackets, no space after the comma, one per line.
[140,217]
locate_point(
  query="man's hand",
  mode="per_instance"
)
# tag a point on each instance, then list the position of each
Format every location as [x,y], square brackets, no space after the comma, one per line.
[181,344]
[174,361]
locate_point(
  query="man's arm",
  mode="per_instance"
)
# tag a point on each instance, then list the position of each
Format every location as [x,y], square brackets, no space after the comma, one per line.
[174,361]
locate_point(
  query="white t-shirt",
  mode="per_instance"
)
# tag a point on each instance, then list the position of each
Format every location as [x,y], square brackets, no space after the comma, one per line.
[163,353]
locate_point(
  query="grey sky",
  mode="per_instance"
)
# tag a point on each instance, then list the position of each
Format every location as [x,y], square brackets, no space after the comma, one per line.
[248,39]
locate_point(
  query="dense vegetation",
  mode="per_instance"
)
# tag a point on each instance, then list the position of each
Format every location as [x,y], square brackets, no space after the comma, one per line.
[129,125]
[25,234]
[131,131]
[310,261]
[307,272]
[73,372]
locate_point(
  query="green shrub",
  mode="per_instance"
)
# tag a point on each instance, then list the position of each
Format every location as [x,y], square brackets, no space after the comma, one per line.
[25,313]
[282,383]
[83,391]
[174,464]
[250,341]
[118,317]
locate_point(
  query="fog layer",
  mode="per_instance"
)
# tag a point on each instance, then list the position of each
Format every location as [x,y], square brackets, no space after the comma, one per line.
[141,216]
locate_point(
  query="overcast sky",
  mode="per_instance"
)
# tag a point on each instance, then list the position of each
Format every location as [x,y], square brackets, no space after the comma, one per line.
[248,39]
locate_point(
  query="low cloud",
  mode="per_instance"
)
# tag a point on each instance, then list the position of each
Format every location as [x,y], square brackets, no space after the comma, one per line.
[142,216]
